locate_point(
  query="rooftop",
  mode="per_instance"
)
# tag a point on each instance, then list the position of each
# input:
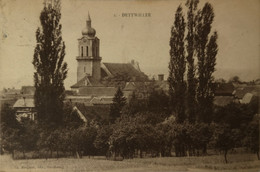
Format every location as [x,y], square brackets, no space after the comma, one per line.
[24,103]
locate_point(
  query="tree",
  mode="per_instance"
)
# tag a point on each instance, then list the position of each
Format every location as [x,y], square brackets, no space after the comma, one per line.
[235,79]
[28,136]
[158,102]
[119,101]
[101,141]
[89,137]
[206,50]
[9,130]
[235,115]
[177,66]
[51,71]
[190,48]
[225,138]
[131,134]
[251,140]
[10,140]
[8,117]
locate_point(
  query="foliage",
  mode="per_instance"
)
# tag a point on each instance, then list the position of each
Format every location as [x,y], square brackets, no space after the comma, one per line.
[158,102]
[8,117]
[70,117]
[186,138]
[235,115]
[130,134]
[206,49]
[135,104]
[10,140]
[190,48]
[89,137]
[192,100]
[10,130]
[251,139]
[225,138]
[102,139]
[177,66]
[235,79]
[119,101]
[28,135]
[147,97]
[51,71]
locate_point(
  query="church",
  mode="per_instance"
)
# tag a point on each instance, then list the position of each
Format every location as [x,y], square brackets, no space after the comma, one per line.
[93,75]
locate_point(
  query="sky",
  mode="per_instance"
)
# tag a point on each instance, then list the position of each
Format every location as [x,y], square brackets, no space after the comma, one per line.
[144,39]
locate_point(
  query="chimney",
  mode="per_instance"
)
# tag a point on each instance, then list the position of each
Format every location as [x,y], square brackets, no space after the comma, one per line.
[160,77]
[135,64]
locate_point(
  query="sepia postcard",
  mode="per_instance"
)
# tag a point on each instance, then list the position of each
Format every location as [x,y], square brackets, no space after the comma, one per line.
[132,48]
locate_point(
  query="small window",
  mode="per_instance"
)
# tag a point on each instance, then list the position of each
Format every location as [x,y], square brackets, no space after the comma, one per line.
[81,51]
[87,50]
[96,51]
[84,69]
[93,51]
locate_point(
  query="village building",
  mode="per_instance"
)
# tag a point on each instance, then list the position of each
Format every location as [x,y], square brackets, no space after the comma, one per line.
[96,80]
[24,108]
[245,94]
[224,94]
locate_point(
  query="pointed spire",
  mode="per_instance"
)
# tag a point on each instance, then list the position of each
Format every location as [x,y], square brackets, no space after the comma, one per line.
[89,19]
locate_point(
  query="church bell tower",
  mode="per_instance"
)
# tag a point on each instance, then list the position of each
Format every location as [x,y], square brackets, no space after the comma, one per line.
[89,61]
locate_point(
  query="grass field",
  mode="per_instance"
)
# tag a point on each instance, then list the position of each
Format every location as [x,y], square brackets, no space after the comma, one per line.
[238,162]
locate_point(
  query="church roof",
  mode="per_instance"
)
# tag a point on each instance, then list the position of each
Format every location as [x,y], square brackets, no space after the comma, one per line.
[121,68]
[114,69]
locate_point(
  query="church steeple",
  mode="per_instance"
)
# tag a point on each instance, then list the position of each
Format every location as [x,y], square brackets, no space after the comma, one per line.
[89,61]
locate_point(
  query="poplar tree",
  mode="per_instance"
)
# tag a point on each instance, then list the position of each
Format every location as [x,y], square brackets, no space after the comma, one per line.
[177,67]
[206,48]
[119,101]
[190,48]
[51,71]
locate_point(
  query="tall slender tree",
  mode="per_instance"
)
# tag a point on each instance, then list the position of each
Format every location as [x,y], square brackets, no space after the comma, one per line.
[190,48]
[51,71]
[206,48]
[119,101]
[177,67]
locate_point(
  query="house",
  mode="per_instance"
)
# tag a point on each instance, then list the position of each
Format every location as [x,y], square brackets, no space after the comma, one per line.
[25,108]
[244,94]
[224,94]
